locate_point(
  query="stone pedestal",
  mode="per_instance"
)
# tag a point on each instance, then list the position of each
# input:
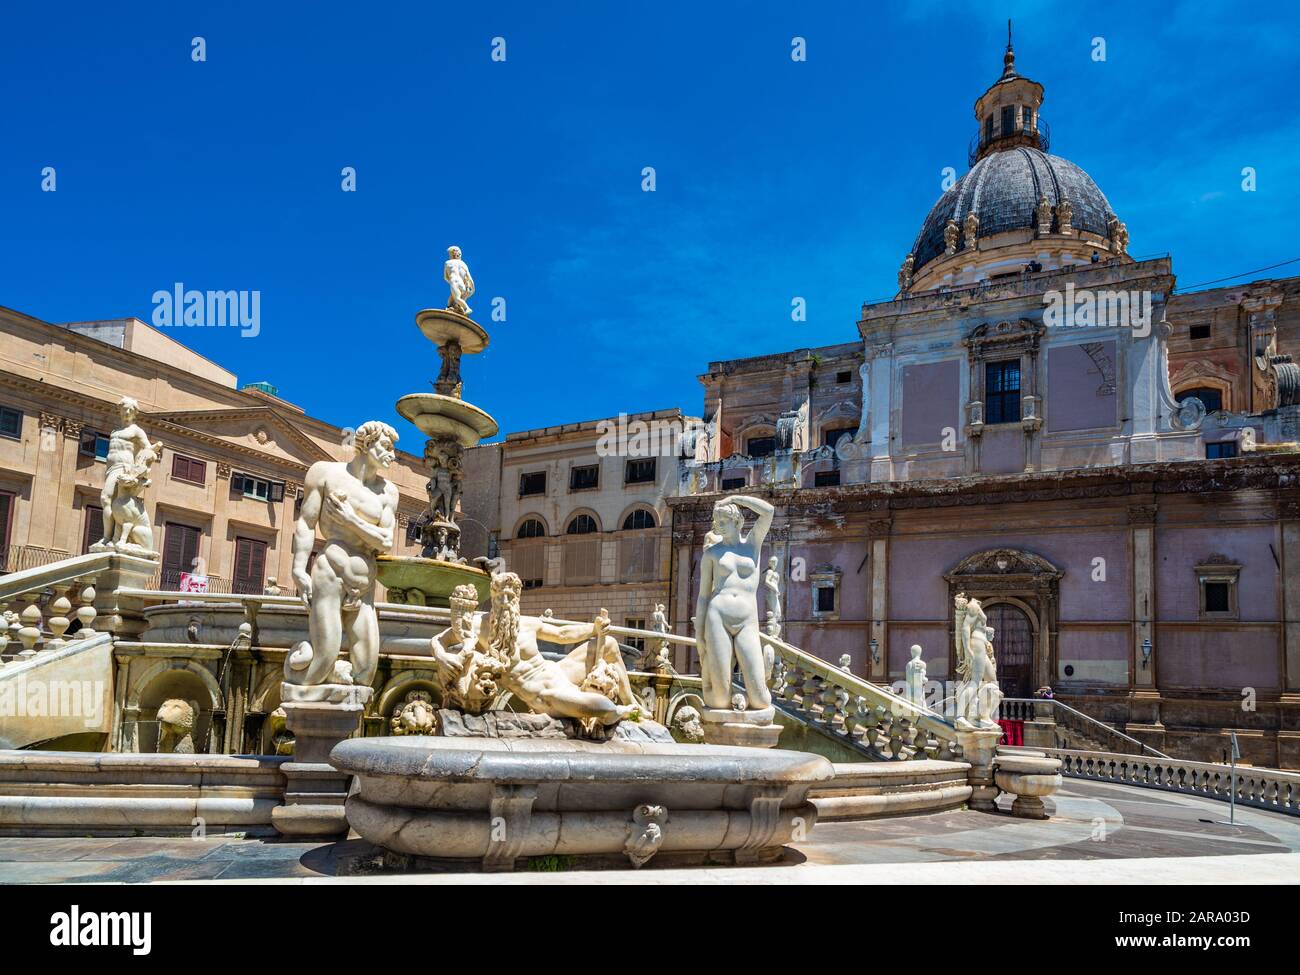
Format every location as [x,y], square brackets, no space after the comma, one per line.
[753,729]
[319,717]
[1029,776]
[979,747]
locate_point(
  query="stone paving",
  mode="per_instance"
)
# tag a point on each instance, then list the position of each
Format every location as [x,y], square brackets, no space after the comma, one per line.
[1099,833]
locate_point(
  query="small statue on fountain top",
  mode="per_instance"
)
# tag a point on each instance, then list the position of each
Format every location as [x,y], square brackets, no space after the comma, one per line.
[456,273]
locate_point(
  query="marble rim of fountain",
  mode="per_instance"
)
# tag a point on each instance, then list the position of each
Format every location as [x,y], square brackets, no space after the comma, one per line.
[436,415]
[445,798]
[442,325]
[433,578]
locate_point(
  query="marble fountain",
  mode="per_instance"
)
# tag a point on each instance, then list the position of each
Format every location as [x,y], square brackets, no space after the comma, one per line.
[527,754]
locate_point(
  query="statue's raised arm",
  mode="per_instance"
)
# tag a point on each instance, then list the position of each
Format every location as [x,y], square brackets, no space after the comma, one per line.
[764,511]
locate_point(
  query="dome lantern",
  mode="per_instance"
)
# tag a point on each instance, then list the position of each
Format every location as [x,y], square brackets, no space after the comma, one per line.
[1007,112]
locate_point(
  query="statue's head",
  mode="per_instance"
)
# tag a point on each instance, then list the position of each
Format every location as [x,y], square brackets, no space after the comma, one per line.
[916,651]
[128,408]
[503,621]
[453,252]
[960,602]
[773,562]
[728,520]
[177,713]
[506,588]
[377,439]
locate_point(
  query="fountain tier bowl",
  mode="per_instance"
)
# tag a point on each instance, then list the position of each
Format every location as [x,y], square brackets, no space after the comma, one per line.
[428,582]
[498,801]
[436,415]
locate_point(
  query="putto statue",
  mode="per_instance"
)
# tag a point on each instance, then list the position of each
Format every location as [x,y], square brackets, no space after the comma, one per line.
[726,610]
[355,508]
[130,454]
[978,699]
[456,273]
[481,654]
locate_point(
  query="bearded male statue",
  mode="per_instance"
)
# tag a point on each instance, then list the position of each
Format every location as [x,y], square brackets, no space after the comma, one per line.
[590,684]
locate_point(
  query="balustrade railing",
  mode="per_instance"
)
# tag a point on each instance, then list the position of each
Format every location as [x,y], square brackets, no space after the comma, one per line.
[1070,719]
[863,714]
[1270,789]
[39,604]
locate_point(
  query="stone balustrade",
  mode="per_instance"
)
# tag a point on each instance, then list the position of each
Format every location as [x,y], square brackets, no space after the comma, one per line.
[1260,788]
[47,599]
[843,705]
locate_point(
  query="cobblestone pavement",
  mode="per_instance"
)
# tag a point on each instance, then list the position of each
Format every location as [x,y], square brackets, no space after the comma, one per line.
[1099,833]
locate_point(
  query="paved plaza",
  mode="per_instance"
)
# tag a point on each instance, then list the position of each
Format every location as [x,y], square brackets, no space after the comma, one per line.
[1099,833]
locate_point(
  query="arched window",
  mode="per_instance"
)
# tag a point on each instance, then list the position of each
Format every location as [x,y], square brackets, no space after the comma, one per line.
[582,525]
[532,528]
[1212,398]
[639,519]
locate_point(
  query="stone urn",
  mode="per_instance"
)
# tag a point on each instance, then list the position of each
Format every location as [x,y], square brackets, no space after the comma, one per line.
[1029,777]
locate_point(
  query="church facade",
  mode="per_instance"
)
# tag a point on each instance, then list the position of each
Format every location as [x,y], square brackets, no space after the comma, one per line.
[1039,420]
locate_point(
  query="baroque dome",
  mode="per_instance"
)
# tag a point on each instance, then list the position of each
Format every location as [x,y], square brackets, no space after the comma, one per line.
[1019,210]
[1003,190]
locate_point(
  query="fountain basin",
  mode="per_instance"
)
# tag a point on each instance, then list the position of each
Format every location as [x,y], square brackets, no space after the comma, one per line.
[428,582]
[442,325]
[497,801]
[436,415]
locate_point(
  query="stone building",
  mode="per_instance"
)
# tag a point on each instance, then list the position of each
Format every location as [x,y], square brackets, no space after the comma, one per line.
[223,493]
[579,512]
[1039,420]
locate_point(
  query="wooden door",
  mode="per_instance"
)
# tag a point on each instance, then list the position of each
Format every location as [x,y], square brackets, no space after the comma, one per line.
[1013,648]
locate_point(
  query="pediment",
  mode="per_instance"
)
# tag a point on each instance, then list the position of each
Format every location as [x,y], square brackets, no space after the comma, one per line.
[257,429]
[1003,562]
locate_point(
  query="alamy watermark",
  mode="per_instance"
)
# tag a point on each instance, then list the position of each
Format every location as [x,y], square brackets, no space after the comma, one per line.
[1089,308]
[629,437]
[23,698]
[238,309]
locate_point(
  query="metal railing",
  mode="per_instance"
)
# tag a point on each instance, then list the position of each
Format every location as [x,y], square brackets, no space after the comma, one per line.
[18,558]
[1072,719]
[982,140]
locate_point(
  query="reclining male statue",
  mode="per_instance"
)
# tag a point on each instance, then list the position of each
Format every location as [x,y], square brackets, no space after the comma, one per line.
[480,652]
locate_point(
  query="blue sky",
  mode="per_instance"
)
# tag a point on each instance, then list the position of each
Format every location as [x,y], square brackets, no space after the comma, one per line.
[775,179]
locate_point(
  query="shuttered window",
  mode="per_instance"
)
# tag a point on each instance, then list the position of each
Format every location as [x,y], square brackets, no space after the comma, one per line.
[6,526]
[189,469]
[250,566]
[94,527]
[581,561]
[180,549]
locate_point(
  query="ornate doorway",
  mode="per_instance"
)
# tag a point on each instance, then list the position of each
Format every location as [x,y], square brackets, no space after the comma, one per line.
[1013,641]
[1020,592]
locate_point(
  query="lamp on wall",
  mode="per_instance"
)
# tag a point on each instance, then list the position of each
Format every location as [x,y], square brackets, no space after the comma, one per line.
[875,650]
[1146,652]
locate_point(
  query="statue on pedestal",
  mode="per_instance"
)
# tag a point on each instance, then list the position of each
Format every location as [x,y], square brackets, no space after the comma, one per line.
[130,454]
[456,273]
[356,510]
[915,677]
[727,606]
[978,699]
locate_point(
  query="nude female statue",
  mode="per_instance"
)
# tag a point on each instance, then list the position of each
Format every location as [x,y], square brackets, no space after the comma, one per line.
[727,607]
[978,700]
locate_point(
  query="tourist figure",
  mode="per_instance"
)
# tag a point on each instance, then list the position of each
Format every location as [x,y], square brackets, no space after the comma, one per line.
[727,607]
